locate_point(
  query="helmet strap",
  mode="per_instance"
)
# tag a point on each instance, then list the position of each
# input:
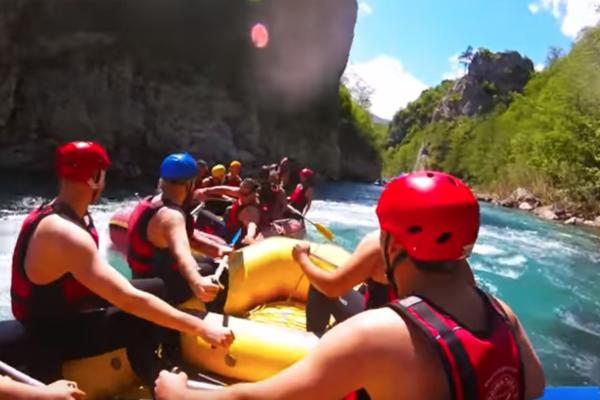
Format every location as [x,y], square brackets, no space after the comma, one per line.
[390,266]
[96,182]
[189,193]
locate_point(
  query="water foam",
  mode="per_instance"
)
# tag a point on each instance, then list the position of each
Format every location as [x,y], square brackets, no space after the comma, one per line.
[487,250]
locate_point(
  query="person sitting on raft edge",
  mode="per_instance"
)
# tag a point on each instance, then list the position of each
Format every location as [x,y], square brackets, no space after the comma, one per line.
[216,178]
[243,214]
[60,285]
[302,197]
[272,198]
[233,177]
[331,292]
[160,230]
[203,173]
[443,339]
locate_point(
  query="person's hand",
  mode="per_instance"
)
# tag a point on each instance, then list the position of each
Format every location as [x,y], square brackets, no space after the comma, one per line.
[200,195]
[205,289]
[216,335]
[300,252]
[224,251]
[64,390]
[248,241]
[169,386]
[280,230]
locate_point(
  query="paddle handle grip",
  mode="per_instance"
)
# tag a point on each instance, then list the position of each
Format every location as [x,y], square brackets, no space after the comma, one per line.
[18,376]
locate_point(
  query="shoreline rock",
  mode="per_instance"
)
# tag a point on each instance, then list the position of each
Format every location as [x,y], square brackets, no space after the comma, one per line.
[523,200]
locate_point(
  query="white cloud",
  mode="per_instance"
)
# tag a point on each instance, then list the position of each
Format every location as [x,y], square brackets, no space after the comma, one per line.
[574,15]
[393,86]
[534,8]
[539,67]
[364,8]
[457,70]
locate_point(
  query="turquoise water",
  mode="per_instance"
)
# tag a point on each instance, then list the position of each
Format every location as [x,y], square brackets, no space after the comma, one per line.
[548,273]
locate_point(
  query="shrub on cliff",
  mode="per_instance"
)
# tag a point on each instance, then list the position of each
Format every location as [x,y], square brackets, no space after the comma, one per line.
[361,119]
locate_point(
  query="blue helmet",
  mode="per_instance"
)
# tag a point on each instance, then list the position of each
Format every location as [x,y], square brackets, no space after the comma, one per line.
[178,166]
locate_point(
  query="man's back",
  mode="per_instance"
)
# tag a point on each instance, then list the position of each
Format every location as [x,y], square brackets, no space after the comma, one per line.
[49,254]
[399,362]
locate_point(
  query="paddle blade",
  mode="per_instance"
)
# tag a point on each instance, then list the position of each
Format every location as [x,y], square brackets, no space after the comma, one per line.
[325,232]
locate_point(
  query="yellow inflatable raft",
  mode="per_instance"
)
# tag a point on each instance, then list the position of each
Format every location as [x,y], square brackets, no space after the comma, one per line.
[264,308]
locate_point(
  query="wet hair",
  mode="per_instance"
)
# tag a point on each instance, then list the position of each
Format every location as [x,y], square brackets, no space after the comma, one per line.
[201,163]
[273,175]
[310,181]
[252,184]
[263,174]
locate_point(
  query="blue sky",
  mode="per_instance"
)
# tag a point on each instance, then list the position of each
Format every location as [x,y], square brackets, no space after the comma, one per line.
[403,46]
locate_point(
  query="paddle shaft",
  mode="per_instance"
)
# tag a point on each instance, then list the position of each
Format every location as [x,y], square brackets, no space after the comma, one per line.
[225,260]
[18,376]
[298,213]
[214,384]
[318,257]
[195,385]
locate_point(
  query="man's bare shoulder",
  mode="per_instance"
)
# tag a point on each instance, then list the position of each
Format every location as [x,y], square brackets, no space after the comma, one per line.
[509,313]
[56,230]
[170,215]
[380,328]
[58,246]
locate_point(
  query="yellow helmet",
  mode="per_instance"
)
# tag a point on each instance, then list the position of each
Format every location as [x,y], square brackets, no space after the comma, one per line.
[218,171]
[235,163]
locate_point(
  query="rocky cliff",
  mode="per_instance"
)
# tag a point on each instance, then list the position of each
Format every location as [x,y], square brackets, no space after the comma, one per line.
[491,79]
[147,77]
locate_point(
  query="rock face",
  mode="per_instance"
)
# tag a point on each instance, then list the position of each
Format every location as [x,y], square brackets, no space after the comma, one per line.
[521,198]
[547,212]
[147,77]
[492,77]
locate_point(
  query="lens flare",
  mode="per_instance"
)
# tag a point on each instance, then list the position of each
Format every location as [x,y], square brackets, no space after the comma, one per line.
[260,36]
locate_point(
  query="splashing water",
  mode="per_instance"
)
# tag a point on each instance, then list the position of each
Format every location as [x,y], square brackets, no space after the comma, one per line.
[548,274]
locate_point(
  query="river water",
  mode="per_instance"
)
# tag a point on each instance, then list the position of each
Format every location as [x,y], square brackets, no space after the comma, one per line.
[548,273]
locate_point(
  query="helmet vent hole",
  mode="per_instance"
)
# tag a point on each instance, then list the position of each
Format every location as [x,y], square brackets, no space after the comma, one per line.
[452,181]
[430,175]
[413,230]
[444,237]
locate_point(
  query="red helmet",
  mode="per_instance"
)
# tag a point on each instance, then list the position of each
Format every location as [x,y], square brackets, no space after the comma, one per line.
[432,215]
[79,161]
[307,173]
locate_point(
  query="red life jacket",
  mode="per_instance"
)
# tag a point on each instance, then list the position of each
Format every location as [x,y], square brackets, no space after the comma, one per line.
[59,299]
[298,197]
[233,180]
[378,294]
[144,258]
[477,366]
[233,223]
